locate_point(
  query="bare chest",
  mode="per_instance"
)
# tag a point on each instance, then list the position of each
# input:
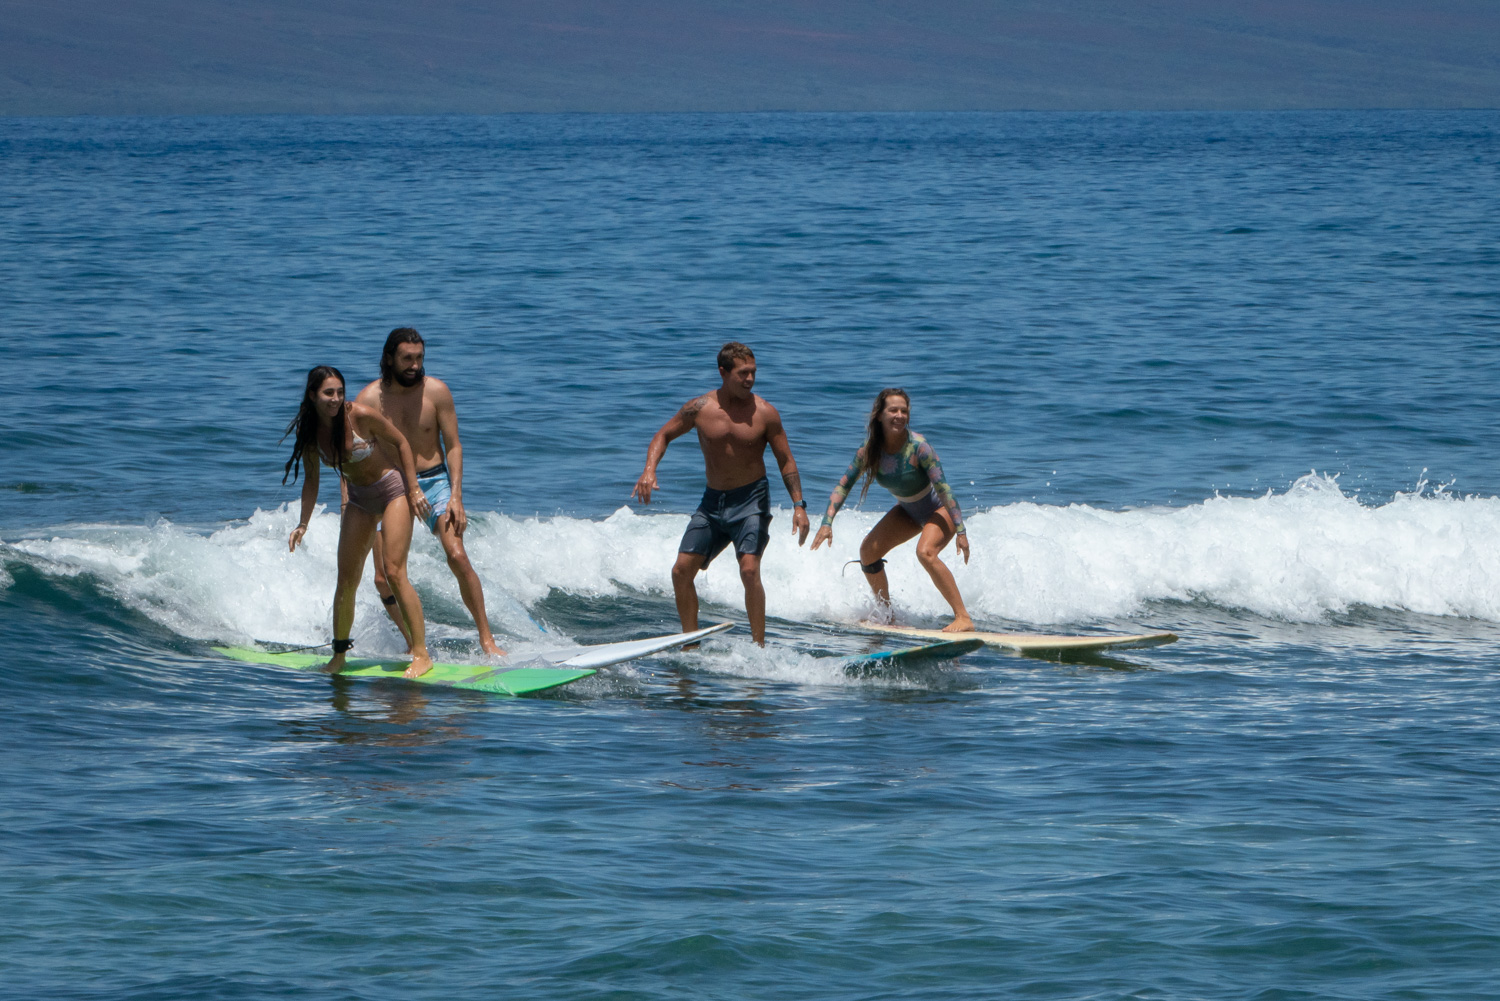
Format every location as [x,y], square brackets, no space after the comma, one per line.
[720,428]
[415,417]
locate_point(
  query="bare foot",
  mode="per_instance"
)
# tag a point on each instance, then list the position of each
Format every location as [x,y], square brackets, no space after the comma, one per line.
[421,663]
[962,624]
[691,646]
[489,646]
[335,665]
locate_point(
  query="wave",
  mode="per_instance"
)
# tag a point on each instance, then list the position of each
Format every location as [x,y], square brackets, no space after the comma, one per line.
[1297,556]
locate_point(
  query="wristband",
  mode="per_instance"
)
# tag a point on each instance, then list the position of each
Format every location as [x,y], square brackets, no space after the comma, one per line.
[801,503]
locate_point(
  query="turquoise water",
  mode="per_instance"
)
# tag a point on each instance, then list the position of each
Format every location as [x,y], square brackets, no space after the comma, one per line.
[1229,375]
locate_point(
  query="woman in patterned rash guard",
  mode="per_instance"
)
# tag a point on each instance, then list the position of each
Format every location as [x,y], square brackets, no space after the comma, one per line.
[900,460]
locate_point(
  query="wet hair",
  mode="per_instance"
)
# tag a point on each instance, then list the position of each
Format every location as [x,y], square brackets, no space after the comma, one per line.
[732,352]
[875,437]
[396,338]
[305,424]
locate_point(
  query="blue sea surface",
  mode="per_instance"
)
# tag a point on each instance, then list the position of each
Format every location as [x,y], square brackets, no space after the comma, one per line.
[1231,375]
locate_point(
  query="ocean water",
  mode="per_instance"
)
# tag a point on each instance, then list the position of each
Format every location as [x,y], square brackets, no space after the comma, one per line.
[1233,375]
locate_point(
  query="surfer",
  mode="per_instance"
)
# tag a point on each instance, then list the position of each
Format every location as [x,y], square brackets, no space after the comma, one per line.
[900,460]
[734,427]
[422,409]
[356,440]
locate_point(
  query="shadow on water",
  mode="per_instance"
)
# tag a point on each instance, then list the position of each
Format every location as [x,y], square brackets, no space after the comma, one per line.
[748,716]
[1084,658]
[384,714]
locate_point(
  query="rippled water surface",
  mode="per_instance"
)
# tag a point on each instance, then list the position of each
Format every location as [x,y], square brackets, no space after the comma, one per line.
[1229,375]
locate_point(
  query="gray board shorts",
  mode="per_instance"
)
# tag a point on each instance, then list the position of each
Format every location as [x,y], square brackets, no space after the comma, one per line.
[741,516]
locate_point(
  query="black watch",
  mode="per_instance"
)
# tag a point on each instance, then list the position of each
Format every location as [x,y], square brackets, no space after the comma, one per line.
[801,503]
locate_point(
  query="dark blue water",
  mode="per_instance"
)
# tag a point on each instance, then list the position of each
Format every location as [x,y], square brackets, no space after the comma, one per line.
[1230,375]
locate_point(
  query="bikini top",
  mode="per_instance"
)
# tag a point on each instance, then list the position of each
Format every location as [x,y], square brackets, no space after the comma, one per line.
[362,449]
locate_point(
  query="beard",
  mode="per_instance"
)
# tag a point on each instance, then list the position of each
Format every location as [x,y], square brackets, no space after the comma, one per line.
[410,380]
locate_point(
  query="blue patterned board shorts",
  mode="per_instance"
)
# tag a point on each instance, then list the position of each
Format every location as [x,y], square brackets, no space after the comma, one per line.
[436,486]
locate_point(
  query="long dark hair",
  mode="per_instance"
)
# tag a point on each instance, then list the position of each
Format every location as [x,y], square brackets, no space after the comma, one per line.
[305,424]
[875,436]
[396,338]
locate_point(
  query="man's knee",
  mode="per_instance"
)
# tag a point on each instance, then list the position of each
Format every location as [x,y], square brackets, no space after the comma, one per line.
[458,560]
[750,572]
[683,571]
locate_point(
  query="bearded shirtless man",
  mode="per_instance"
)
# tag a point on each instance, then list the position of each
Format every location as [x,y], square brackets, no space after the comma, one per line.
[421,407]
[734,427]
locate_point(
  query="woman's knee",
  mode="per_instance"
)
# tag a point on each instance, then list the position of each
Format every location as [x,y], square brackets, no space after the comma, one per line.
[395,574]
[927,553]
[869,551]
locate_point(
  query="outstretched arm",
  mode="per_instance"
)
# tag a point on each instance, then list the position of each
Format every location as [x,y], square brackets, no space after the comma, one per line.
[681,423]
[839,495]
[782,449]
[453,455]
[309,497]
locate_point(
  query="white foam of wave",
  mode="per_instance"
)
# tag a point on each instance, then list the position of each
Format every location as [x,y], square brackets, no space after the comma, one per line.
[240,584]
[1298,556]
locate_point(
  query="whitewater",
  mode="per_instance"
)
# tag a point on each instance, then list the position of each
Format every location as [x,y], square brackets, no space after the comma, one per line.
[1298,556]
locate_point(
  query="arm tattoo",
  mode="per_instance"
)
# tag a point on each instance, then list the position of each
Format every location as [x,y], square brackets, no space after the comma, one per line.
[793,481]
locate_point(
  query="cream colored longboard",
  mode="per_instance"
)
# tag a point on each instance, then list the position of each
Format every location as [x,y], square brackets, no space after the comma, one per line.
[1030,642]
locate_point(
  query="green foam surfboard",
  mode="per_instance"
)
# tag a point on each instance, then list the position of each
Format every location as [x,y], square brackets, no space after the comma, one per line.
[563,665]
[474,677]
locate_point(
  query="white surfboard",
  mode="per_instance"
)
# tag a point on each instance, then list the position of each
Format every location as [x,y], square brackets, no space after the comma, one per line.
[605,654]
[1030,642]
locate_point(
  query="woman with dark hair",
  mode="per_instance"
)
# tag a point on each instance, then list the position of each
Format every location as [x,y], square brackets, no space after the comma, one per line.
[900,460]
[358,441]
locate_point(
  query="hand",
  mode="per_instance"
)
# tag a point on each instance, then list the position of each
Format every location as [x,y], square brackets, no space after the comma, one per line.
[961,543]
[800,525]
[456,517]
[296,537]
[645,485]
[825,534]
[418,501]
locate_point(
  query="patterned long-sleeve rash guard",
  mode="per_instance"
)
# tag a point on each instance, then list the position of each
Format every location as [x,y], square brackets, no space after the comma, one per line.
[905,473]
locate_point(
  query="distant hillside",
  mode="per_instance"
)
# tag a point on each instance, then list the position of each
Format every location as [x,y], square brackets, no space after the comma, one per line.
[424,56]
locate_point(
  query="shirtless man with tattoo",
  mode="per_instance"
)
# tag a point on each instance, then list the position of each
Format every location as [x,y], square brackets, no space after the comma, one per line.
[734,427]
[422,408]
